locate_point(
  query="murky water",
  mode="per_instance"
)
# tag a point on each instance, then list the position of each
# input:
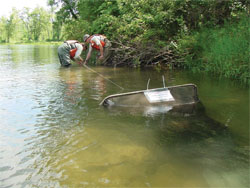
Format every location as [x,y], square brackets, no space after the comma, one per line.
[53,133]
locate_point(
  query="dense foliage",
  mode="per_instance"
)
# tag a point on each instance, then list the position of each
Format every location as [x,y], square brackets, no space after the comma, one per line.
[26,25]
[196,34]
[221,50]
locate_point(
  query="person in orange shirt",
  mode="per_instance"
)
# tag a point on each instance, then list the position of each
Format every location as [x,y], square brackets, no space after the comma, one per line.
[99,43]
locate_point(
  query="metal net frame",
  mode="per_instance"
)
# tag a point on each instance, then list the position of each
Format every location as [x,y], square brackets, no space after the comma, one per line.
[167,96]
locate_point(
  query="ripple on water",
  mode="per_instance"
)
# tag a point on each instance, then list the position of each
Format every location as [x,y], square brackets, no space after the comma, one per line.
[54,134]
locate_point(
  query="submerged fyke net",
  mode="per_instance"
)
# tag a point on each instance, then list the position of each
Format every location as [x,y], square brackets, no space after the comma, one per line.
[166,96]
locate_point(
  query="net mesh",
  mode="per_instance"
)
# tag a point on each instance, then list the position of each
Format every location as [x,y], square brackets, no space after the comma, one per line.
[168,96]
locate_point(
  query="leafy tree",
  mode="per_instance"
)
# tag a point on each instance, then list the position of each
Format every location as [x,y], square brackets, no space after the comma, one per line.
[3,29]
[57,27]
[11,24]
[68,8]
[25,16]
[39,19]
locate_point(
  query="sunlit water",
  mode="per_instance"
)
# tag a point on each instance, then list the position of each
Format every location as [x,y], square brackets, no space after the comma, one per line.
[53,133]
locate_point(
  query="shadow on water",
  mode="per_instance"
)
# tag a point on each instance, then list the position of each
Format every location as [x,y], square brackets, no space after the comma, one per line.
[180,124]
[194,138]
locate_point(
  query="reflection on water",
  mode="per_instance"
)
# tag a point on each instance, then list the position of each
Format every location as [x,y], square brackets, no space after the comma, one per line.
[54,133]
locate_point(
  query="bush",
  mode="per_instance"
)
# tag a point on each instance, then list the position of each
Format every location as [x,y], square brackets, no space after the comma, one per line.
[223,51]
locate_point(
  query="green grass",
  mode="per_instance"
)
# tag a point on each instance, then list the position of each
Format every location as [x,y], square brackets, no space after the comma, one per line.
[220,51]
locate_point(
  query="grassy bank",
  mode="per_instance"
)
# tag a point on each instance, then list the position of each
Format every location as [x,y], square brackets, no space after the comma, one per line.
[220,51]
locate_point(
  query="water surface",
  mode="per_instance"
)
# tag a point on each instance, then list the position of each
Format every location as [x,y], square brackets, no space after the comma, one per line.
[55,134]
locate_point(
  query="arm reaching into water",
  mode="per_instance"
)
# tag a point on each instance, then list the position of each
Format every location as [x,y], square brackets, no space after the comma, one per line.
[77,57]
[101,52]
[88,55]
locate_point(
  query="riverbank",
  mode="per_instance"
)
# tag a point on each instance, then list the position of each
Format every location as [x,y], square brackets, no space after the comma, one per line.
[221,51]
[204,36]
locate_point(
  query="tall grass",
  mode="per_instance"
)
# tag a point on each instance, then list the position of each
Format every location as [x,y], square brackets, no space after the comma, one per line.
[221,51]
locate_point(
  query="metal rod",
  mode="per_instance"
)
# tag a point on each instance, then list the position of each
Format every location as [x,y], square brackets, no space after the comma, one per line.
[148,83]
[163,80]
[103,76]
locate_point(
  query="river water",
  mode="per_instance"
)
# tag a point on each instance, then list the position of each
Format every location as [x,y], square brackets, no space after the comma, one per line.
[53,133]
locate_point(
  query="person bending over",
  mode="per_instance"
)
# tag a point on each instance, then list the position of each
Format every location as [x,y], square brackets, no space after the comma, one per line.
[70,50]
[99,43]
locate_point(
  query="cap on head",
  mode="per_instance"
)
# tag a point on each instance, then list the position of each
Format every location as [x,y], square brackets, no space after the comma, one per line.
[85,37]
